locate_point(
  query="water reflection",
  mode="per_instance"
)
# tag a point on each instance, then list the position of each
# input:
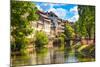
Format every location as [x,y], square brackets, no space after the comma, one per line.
[50,56]
[71,57]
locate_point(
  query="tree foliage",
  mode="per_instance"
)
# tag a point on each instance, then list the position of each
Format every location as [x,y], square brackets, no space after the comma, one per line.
[69,31]
[22,12]
[41,39]
[86,23]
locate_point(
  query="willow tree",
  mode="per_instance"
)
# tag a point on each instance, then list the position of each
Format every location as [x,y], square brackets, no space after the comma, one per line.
[86,23]
[22,12]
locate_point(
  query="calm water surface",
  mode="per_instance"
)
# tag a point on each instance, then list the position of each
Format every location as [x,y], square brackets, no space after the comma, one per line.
[48,56]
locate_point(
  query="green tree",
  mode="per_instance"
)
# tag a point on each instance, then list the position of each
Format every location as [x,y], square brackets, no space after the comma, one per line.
[69,31]
[61,41]
[62,38]
[41,39]
[22,12]
[86,23]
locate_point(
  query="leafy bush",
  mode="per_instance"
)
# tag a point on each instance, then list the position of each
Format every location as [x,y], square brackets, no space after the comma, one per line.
[41,39]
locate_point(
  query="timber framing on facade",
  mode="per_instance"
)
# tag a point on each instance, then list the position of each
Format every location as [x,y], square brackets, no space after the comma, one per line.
[50,23]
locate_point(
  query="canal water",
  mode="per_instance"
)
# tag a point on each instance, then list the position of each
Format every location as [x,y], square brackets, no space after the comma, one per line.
[48,56]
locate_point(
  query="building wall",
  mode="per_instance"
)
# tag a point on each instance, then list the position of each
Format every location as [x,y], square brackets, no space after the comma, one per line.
[47,27]
[51,25]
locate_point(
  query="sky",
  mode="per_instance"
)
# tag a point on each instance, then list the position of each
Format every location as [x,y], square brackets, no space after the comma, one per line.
[64,11]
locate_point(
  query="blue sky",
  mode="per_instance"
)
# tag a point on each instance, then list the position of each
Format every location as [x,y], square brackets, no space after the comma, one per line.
[64,11]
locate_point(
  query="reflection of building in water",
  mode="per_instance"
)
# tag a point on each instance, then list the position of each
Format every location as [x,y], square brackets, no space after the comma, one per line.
[48,22]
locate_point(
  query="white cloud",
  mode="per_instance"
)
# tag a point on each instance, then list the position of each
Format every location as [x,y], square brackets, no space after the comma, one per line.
[51,9]
[51,5]
[45,4]
[74,9]
[55,4]
[60,12]
[39,7]
[74,18]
